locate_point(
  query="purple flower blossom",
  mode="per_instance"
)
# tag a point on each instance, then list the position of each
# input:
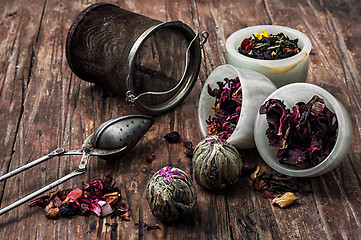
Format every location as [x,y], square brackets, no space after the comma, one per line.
[170,175]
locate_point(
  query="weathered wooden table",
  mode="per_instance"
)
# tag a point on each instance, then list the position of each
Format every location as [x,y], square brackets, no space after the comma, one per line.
[43,105]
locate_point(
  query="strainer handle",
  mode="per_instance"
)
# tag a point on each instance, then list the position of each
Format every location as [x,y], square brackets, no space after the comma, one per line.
[56,152]
[42,190]
[131,98]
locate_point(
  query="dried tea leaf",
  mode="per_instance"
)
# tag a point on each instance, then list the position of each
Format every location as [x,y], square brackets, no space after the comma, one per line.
[269,46]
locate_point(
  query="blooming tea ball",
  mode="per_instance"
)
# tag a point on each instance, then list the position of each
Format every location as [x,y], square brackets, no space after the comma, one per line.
[170,194]
[217,164]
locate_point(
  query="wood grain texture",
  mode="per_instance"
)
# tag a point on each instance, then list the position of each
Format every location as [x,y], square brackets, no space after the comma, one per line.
[43,105]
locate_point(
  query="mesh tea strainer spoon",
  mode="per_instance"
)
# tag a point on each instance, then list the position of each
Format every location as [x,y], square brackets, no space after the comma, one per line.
[110,140]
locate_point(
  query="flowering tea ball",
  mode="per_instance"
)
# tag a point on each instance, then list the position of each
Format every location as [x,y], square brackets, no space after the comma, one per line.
[170,194]
[217,164]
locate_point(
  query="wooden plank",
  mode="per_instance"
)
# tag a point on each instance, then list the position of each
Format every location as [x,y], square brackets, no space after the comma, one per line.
[19,31]
[332,68]
[45,106]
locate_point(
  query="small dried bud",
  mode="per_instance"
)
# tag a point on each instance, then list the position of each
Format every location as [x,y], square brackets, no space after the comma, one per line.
[285,199]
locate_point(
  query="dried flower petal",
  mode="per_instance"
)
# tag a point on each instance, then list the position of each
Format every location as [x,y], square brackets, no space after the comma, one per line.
[267,196]
[125,216]
[95,208]
[304,137]
[285,199]
[99,196]
[42,202]
[106,210]
[227,108]
[57,201]
[76,193]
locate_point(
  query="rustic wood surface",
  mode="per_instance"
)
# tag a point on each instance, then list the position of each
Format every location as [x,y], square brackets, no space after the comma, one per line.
[43,105]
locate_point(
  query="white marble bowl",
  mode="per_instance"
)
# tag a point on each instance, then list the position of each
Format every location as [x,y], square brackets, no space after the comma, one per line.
[291,94]
[281,72]
[255,89]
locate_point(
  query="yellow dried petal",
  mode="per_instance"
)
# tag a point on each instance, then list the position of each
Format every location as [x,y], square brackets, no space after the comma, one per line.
[264,33]
[285,199]
[259,36]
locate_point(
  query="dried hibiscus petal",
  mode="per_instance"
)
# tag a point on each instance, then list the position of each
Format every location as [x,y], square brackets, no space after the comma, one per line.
[106,210]
[304,137]
[42,202]
[99,197]
[227,108]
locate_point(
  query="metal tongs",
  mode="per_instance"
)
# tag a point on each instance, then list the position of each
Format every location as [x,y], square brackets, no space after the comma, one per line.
[110,140]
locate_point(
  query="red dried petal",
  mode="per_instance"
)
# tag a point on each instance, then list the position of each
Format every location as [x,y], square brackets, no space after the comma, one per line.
[75,194]
[245,43]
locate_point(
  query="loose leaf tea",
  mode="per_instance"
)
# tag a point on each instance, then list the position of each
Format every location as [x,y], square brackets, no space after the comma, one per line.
[275,186]
[227,108]
[100,197]
[304,137]
[268,46]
